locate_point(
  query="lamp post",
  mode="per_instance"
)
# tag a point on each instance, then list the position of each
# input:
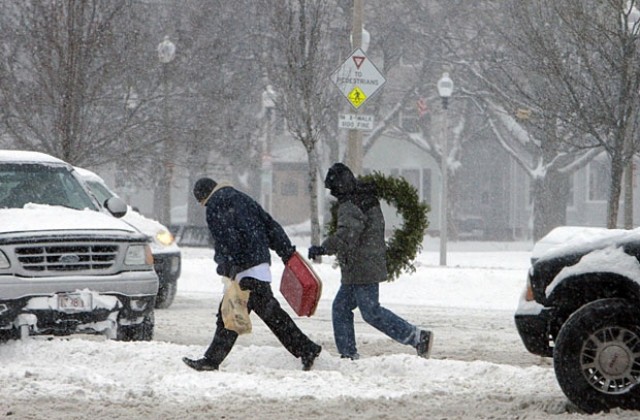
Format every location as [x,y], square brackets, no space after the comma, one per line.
[445,89]
[269,97]
[166,54]
[123,178]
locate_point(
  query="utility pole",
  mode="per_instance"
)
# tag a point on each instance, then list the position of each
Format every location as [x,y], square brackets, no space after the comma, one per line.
[354,144]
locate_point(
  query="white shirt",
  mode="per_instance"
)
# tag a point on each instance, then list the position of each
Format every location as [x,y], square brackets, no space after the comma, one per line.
[260,272]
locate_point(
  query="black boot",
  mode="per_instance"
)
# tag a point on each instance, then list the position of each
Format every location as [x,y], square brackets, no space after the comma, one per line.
[200,364]
[309,358]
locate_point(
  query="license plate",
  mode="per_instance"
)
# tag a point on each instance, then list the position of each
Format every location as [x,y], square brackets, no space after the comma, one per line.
[74,302]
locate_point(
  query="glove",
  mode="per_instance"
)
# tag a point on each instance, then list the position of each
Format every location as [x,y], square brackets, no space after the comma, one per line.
[315,251]
[288,255]
[228,270]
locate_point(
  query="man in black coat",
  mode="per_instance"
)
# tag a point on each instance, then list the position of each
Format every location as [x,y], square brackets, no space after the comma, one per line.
[360,248]
[243,233]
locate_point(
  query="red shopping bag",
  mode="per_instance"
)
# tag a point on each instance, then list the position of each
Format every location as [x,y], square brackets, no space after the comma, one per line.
[300,286]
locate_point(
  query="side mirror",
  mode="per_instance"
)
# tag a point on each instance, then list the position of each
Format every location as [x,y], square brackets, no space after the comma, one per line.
[116,206]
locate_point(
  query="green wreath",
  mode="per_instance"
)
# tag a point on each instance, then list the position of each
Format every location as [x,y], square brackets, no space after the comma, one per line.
[405,242]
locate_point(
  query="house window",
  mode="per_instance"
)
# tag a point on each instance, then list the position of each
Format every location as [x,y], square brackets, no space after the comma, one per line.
[599,178]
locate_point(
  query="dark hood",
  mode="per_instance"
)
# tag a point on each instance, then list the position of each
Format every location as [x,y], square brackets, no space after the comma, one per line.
[340,181]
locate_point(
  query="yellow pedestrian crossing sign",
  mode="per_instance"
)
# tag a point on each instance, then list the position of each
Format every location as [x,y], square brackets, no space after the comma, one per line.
[357,97]
[358,78]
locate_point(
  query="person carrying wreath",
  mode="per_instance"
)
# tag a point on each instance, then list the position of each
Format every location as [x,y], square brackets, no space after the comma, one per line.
[243,232]
[360,249]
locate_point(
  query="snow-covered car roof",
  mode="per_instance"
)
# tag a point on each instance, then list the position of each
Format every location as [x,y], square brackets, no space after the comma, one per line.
[144,224]
[22,156]
[87,174]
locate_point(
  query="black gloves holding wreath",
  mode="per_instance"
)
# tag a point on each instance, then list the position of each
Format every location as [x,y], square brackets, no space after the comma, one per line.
[315,251]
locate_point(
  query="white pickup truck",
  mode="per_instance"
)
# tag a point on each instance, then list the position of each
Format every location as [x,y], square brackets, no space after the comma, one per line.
[65,266]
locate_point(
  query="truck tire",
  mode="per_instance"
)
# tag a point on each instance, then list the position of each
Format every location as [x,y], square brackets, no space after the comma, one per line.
[139,332]
[9,334]
[597,356]
[166,294]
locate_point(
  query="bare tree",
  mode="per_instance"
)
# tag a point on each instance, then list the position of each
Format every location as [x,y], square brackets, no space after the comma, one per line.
[527,90]
[62,85]
[297,64]
[216,94]
[586,53]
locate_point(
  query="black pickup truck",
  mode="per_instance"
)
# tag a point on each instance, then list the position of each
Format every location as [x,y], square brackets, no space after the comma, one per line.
[581,306]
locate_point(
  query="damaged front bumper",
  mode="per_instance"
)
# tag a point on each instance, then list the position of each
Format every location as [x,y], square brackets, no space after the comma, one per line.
[80,311]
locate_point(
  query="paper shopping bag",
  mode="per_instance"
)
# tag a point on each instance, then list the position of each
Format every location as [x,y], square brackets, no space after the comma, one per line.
[235,314]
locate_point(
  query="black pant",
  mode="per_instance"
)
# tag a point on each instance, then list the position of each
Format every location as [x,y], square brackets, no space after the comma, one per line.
[267,307]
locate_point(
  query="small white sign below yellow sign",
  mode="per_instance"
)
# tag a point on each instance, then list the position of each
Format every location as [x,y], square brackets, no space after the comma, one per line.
[355,121]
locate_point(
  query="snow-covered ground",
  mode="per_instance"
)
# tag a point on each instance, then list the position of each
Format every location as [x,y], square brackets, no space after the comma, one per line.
[479,368]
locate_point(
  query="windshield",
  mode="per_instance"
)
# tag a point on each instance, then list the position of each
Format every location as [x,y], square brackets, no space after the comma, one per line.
[41,184]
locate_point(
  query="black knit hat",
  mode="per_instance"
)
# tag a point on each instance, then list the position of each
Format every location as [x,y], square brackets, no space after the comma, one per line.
[203,188]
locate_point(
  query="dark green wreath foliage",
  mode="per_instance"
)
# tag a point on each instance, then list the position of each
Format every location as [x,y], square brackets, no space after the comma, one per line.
[405,242]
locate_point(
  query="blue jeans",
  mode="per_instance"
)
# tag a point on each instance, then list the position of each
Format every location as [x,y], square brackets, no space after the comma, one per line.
[366,297]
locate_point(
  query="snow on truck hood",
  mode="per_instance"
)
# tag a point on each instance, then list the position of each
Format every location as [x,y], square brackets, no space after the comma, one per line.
[38,217]
[566,239]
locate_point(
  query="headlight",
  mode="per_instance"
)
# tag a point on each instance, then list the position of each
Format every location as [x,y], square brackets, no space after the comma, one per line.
[164,237]
[4,261]
[528,296]
[138,255]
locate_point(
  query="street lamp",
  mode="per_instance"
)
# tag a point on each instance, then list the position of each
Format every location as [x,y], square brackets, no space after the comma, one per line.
[269,98]
[166,54]
[445,89]
[123,180]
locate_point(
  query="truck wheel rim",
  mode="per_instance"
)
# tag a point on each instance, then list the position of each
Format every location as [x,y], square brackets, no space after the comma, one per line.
[610,360]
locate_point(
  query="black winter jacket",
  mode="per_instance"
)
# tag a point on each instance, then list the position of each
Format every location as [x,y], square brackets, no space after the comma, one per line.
[358,242]
[243,232]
